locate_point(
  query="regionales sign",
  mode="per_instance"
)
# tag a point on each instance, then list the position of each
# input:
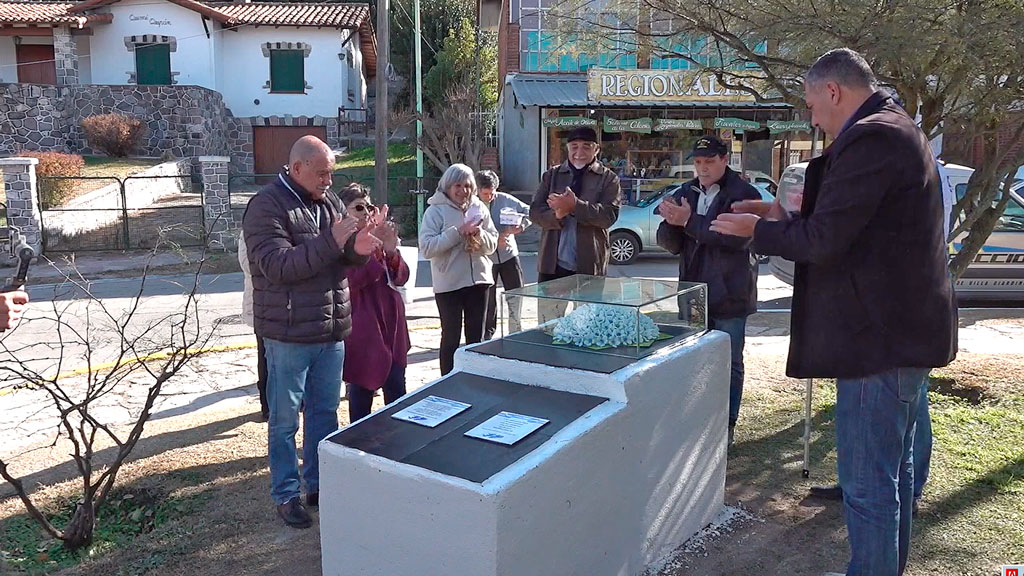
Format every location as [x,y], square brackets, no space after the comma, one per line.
[605,85]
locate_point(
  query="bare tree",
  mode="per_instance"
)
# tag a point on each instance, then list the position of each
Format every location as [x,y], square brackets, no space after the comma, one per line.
[450,132]
[125,352]
[956,64]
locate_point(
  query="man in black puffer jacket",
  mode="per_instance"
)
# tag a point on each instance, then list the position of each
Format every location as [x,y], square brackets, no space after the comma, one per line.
[300,241]
[722,262]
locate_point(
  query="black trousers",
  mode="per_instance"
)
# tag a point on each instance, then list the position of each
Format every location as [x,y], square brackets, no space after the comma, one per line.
[360,400]
[559,273]
[261,375]
[511,274]
[465,307]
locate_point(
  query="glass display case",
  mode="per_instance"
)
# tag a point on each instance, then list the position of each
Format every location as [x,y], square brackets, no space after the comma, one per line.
[626,317]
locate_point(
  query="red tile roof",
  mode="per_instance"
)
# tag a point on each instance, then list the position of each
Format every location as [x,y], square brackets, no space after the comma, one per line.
[296,14]
[46,13]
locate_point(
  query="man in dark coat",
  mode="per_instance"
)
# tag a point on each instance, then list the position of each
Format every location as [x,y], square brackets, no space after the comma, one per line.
[576,203]
[873,302]
[300,242]
[722,262]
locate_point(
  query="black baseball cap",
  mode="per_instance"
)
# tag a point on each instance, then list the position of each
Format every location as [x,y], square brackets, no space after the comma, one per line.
[582,133]
[707,146]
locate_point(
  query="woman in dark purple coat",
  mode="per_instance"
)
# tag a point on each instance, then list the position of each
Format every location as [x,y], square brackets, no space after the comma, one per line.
[376,350]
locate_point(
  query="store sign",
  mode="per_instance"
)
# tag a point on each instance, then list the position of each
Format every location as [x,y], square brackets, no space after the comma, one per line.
[642,125]
[777,126]
[664,124]
[737,124]
[663,85]
[569,122]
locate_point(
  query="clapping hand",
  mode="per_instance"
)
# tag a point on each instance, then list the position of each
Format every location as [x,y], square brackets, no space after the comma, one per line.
[343,229]
[767,210]
[563,204]
[674,212]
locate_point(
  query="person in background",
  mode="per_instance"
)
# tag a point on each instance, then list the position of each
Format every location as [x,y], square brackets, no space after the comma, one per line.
[510,217]
[261,353]
[722,262]
[457,236]
[12,306]
[379,330]
[575,204]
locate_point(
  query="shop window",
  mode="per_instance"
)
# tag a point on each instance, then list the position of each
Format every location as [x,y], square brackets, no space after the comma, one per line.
[287,71]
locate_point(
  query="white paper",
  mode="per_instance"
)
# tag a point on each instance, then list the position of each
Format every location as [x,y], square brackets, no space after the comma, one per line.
[506,428]
[509,217]
[475,213]
[430,411]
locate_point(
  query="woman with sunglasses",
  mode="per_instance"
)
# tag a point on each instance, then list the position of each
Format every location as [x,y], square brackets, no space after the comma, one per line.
[457,236]
[379,342]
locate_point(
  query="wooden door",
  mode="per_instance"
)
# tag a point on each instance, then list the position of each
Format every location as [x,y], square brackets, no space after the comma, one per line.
[36,64]
[272,144]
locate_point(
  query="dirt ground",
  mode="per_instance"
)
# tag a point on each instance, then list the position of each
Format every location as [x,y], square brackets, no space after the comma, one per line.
[218,457]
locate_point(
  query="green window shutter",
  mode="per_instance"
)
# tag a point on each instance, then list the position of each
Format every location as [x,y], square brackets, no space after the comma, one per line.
[153,64]
[286,71]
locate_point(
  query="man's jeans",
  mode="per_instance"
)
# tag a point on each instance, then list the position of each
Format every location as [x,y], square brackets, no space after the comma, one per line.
[922,445]
[736,329]
[308,375]
[876,417]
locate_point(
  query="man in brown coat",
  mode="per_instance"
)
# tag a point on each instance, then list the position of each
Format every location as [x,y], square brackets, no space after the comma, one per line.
[576,204]
[873,302]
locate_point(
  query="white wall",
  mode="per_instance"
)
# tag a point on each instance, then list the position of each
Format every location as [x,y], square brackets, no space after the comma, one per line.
[8,60]
[193,58]
[82,45]
[246,70]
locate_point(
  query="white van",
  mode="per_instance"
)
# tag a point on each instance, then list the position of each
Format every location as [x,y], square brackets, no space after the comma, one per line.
[997,272]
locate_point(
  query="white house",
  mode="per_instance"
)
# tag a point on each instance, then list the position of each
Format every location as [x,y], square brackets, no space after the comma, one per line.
[279,70]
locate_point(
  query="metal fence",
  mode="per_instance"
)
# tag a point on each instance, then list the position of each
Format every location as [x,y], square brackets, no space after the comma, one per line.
[402,195]
[132,213]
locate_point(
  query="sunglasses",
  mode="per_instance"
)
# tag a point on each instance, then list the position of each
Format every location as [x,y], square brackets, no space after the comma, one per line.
[364,207]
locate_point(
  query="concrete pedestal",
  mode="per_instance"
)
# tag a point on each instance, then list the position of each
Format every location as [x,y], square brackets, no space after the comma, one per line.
[605,493]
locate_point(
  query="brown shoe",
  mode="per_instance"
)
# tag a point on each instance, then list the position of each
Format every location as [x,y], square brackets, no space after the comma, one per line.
[294,514]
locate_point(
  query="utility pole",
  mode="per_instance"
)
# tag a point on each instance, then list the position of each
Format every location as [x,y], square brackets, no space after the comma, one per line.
[418,65]
[380,180]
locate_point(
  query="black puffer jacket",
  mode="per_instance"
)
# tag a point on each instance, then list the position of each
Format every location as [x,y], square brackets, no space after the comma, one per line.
[300,293]
[722,262]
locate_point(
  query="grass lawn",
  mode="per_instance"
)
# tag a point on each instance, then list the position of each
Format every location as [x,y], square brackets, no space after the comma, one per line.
[972,513]
[358,164]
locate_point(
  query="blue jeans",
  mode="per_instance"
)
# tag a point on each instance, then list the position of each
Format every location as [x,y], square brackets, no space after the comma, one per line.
[736,328]
[876,417]
[308,375]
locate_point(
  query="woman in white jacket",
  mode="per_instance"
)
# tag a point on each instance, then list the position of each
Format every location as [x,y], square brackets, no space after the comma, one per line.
[457,236]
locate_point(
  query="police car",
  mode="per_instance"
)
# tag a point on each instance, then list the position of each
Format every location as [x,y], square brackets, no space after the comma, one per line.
[997,272]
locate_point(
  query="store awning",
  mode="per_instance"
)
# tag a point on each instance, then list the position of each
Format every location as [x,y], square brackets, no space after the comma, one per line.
[570,91]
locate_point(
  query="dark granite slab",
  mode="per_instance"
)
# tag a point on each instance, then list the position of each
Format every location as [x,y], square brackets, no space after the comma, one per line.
[445,449]
[535,346]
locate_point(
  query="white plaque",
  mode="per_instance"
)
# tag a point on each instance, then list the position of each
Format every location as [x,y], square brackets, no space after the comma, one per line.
[506,428]
[430,411]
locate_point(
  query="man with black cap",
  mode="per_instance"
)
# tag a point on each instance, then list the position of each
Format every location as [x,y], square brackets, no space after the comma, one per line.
[722,262]
[576,204]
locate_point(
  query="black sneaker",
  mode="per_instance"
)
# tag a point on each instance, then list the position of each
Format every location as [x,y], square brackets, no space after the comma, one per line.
[833,492]
[313,499]
[294,514]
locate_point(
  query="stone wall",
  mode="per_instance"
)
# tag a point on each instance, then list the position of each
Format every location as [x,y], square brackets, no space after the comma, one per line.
[185,121]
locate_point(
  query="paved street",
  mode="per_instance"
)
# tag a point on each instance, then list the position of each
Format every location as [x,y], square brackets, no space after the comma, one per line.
[228,375]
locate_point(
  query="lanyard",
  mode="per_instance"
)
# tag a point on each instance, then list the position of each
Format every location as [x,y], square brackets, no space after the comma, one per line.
[315,219]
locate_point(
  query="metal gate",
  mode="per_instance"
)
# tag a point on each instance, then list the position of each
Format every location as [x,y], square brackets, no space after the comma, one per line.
[132,213]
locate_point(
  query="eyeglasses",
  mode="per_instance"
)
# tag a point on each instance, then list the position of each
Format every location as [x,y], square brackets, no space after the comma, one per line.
[364,207]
